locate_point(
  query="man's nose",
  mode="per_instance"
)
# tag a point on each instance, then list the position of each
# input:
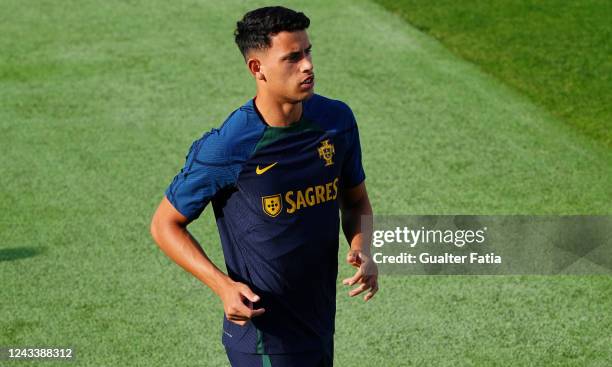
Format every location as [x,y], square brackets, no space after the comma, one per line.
[307,64]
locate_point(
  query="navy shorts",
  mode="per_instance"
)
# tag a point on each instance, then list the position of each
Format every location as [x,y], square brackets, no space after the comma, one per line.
[303,359]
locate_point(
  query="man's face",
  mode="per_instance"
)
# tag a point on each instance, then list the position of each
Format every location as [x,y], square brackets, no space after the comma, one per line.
[286,65]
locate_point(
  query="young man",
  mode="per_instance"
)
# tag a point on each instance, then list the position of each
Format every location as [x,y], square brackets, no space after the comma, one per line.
[278,172]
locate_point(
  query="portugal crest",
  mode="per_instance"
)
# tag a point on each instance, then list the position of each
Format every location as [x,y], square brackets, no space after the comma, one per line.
[326,152]
[272,205]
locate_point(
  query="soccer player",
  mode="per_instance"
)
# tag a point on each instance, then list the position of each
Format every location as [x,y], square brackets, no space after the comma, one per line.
[283,173]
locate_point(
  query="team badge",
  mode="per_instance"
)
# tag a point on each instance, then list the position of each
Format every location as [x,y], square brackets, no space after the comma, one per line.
[272,205]
[326,152]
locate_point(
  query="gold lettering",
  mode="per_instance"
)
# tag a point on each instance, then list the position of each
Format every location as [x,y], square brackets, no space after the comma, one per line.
[309,194]
[290,201]
[320,193]
[335,188]
[300,200]
[328,187]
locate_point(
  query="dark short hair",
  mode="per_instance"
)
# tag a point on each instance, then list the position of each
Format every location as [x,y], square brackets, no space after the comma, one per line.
[256,27]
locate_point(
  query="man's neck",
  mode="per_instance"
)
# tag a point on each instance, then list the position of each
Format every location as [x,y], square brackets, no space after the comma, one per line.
[275,113]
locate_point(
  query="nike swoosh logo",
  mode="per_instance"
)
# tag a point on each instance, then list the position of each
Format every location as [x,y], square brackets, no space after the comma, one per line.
[259,171]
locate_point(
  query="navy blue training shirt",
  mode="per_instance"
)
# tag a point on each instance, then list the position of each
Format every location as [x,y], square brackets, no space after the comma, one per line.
[275,196]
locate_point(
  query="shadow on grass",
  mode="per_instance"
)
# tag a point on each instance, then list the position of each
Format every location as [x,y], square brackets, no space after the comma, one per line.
[16,253]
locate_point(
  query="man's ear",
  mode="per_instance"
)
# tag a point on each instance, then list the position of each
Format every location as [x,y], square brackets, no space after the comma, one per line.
[255,68]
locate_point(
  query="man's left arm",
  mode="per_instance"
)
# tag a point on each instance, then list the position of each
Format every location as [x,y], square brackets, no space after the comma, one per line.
[356,213]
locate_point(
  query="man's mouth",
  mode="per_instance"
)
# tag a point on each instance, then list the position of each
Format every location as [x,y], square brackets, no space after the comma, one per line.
[309,80]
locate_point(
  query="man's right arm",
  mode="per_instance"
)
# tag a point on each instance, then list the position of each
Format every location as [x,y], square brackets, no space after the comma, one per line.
[169,230]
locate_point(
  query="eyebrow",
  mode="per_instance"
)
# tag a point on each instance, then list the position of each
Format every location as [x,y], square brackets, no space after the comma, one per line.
[296,53]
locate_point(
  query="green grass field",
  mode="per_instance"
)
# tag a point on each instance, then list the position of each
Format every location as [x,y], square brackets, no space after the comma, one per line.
[555,52]
[100,101]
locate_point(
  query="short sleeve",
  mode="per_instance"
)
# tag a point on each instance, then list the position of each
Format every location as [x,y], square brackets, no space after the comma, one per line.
[202,176]
[352,168]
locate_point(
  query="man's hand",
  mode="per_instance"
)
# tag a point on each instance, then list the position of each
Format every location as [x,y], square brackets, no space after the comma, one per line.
[238,301]
[366,275]
[169,229]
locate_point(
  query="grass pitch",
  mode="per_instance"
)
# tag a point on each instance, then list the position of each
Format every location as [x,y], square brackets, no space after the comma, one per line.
[555,52]
[100,101]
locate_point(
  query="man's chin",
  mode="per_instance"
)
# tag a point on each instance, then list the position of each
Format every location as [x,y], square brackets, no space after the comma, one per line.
[300,96]
[304,96]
